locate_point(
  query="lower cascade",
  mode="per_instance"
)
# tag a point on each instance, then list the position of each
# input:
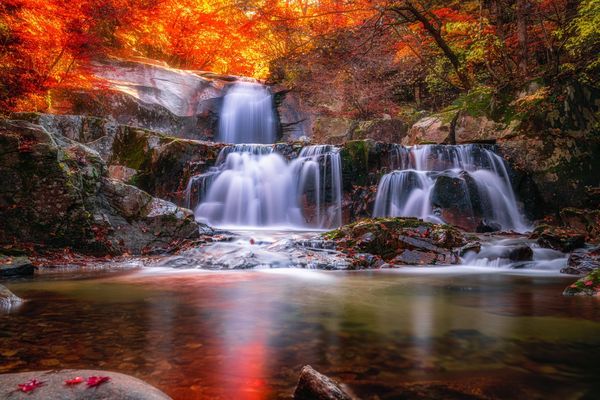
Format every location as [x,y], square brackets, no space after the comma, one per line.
[465,185]
[254,186]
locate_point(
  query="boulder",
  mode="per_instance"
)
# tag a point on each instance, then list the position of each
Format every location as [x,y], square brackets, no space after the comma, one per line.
[432,129]
[313,385]
[556,238]
[382,130]
[332,130]
[438,128]
[15,266]
[8,300]
[589,285]
[457,200]
[552,172]
[407,241]
[118,387]
[55,192]
[585,221]
[582,262]
[149,95]
[159,164]
[520,253]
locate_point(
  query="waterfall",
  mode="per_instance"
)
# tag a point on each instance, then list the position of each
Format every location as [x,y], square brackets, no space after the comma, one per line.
[254,186]
[464,185]
[247,115]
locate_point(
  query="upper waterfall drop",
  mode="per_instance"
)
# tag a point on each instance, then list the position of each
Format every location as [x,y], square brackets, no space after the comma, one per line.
[247,115]
[471,182]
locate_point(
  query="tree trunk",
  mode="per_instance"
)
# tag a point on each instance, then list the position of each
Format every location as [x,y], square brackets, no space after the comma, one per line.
[522,13]
[439,40]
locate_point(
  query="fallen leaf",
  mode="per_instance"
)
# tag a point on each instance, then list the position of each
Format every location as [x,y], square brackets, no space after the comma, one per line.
[74,381]
[94,381]
[30,386]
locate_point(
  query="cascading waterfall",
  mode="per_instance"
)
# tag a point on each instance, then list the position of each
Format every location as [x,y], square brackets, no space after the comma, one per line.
[471,178]
[247,114]
[252,186]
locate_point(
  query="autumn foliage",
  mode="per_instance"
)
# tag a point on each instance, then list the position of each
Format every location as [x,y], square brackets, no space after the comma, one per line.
[420,46]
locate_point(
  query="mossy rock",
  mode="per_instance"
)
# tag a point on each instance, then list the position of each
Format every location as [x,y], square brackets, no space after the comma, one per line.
[589,285]
[397,238]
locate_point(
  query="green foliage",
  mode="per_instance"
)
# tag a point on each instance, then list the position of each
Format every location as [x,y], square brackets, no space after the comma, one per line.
[585,39]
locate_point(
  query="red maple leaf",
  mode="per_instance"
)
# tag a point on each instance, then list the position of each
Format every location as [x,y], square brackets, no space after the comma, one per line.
[74,381]
[30,386]
[94,381]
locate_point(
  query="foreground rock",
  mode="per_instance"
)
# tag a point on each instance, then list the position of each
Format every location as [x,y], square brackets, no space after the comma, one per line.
[15,266]
[55,192]
[399,241]
[119,387]
[8,300]
[313,385]
[589,285]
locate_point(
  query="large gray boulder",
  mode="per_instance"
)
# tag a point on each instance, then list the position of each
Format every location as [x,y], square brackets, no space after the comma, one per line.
[150,95]
[119,387]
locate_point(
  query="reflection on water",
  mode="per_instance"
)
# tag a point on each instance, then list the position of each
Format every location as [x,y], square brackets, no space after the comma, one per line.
[245,335]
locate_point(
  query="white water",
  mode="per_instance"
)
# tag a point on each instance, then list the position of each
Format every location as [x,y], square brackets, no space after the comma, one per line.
[253,186]
[407,191]
[247,115]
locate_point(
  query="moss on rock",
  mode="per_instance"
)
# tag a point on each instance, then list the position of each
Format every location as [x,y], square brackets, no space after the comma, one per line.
[589,285]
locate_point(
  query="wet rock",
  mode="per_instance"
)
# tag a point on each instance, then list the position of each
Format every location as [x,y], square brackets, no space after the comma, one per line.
[471,247]
[589,285]
[520,253]
[400,240]
[8,300]
[582,262]
[15,266]
[552,172]
[159,164]
[564,240]
[313,385]
[54,192]
[485,226]
[457,200]
[119,387]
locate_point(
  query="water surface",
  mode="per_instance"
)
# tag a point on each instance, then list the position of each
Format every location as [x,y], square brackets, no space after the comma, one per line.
[434,333]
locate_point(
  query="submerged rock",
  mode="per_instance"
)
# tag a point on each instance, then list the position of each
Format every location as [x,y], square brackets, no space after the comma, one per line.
[118,387]
[15,266]
[407,241]
[589,285]
[313,385]
[8,300]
